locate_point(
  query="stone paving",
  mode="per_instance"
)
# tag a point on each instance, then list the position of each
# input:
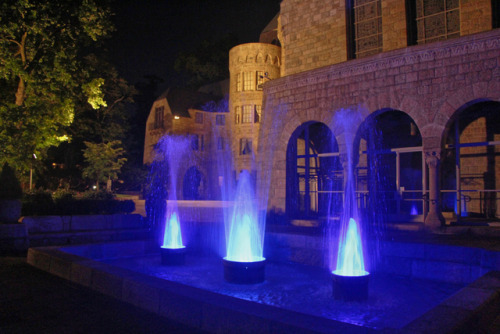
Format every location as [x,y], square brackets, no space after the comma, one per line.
[33,301]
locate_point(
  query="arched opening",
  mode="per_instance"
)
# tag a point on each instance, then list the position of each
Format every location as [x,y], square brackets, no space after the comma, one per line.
[193,185]
[470,172]
[314,174]
[391,169]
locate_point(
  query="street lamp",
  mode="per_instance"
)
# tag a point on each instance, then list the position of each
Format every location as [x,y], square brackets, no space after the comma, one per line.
[33,157]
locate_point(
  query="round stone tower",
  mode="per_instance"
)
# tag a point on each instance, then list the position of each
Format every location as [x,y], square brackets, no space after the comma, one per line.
[250,67]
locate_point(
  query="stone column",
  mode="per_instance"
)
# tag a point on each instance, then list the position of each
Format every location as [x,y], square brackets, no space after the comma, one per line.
[434,218]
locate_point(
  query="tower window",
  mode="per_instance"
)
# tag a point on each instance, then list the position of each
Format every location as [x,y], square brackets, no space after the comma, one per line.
[245,146]
[238,82]
[257,113]
[220,120]
[260,80]
[198,118]
[248,81]
[247,114]
[237,114]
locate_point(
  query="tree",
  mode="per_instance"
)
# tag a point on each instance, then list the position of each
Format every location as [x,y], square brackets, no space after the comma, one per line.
[104,161]
[207,63]
[41,73]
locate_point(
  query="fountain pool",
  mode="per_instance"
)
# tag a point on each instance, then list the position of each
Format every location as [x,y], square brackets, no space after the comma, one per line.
[294,297]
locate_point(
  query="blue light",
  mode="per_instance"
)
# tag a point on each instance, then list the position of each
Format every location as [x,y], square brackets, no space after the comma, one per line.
[172,237]
[244,242]
[350,261]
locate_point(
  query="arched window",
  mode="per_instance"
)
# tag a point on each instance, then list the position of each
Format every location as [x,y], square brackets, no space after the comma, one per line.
[314,173]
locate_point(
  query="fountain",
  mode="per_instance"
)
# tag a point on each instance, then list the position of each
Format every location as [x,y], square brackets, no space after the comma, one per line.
[244,262]
[349,279]
[172,149]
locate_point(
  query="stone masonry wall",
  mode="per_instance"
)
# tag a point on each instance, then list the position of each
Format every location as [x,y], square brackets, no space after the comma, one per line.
[393,25]
[475,16]
[313,33]
[428,82]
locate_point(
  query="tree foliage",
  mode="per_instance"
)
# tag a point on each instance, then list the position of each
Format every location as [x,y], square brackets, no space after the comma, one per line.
[207,63]
[104,161]
[42,75]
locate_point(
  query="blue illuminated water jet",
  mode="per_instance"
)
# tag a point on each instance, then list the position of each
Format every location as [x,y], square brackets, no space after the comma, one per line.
[244,239]
[172,237]
[174,152]
[350,261]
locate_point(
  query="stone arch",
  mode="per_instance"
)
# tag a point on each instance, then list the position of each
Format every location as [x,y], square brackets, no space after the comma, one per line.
[391,170]
[472,169]
[463,97]
[194,184]
[259,58]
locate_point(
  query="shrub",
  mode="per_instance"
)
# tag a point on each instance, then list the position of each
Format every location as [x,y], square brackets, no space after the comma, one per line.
[64,202]
[38,203]
[10,188]
[97,195]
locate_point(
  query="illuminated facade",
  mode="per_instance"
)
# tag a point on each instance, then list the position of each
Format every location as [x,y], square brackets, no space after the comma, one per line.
[422,75]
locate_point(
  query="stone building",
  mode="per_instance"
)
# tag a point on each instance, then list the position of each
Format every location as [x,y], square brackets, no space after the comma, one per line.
[417,82]
[183,112]
[411,88]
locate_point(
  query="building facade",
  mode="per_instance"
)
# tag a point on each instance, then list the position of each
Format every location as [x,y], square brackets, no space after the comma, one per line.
[419,83]
[410,87]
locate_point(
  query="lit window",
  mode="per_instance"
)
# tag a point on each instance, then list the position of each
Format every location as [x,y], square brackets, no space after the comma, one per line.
[367,27]
[260,80]
[220,119]
[437,20]
[238,82]
[158,118]
[248,81]
[245,146]
[237,115]
[247,114]
[257,113]
[198,118]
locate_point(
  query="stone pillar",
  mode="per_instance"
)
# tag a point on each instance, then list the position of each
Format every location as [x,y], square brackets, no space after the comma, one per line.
[434,218]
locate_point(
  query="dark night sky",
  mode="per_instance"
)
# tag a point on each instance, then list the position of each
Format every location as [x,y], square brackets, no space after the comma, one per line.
[150,33]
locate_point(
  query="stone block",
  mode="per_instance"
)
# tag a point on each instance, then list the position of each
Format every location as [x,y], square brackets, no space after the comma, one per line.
[43,224]
[107,283]
[90,223]
[441,319]
[181,308]
[81,274]
[469,298]
[60,267]
[221,319]
[38,259]
[138,292]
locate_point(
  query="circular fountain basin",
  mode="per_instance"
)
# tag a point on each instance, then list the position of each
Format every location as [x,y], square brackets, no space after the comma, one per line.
[350,288]
[244,272]
[173,256]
